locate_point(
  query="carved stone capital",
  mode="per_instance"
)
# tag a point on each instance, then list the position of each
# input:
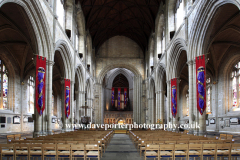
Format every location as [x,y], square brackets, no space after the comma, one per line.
[190,62]
[50,63]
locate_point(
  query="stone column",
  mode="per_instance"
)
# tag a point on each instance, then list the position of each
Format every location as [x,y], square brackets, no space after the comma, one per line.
[72,107]
[157,101]
[238,91]
[45,112]
[37,124]
[161,114]
[195,110]
[216,106]
[190,100]
[169,114]
[135,109]
[82,103]
[77,115]
[49,91]
[98,103]
[89,104]
[139,98]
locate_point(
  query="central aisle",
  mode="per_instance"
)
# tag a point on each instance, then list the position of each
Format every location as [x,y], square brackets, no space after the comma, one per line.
[121,148]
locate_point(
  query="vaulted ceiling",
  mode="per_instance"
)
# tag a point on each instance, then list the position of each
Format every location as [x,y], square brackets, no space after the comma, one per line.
[134,19]
[120,81]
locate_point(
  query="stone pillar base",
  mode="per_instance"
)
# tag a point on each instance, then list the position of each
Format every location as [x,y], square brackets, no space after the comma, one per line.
[37,134]
[190,132]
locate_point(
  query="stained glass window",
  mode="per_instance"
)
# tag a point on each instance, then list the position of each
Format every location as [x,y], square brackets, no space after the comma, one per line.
[3,86]
[236,86]
[31,95]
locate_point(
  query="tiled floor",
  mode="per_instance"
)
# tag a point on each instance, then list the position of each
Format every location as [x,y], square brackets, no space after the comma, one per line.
[121,148]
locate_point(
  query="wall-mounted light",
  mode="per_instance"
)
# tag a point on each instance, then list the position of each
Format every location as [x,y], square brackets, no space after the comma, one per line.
[80,55]
[159,55]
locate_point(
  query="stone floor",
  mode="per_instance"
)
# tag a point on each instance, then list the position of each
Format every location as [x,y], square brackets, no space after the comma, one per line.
[121,148]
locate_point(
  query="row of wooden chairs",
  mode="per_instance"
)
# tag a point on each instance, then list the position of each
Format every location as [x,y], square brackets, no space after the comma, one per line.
[142,145]
[14,137]
[191,150]
[58,151]
[102,147]
[225,136]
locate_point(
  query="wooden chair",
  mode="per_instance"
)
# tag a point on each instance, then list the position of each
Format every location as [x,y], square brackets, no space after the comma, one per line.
[166,151]
[223,136]
[143,146]
[63,151]
[100,145]
[194,142]
[235,150]
[7,150]
[181,150]
[35,151]
[170,142]
[209,150]
[21,150]
[10,138]
[49,151]
[92,151]
[78,151]
[224,150]
[229,137]
[17,136]
[151,151]
[182,142]
[60,142]
[195,151]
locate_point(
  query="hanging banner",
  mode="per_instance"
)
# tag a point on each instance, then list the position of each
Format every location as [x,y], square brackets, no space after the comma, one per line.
[174,96]
[125,97]
[119,98]
[67,97]
[40,84]
[112,97]
[201,83]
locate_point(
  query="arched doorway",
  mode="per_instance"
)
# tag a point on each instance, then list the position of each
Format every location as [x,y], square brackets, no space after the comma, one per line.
[118,96]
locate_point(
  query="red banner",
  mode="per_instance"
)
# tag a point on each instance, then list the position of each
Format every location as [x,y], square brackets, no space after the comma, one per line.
[201,83]
[112,96]
[174,97]
[67,97]
[119,98]
[40,84]
[125,97]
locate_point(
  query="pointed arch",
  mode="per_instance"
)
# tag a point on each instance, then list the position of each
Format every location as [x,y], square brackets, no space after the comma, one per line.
[65,53]
[178,46]
[39,24]
[201,23]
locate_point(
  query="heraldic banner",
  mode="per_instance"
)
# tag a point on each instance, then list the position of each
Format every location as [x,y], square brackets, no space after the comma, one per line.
[40,84]
[67,97]
[119,98]
[201,83]
[174,96]
[112,96]
[125,97]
